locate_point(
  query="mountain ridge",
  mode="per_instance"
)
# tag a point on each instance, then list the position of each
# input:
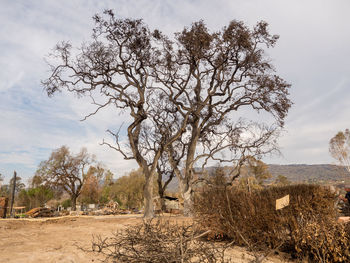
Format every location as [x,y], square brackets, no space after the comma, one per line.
[297,173]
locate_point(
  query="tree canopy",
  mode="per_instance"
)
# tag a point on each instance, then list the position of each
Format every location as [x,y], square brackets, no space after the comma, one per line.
[182,93]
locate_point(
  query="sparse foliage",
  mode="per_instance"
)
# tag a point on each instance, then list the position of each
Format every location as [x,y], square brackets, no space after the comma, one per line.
[5,190]
[253,174]
[128,189]
[93,191]
[339,147]
[90,191]
[282,180]
[106,187]
[19,184]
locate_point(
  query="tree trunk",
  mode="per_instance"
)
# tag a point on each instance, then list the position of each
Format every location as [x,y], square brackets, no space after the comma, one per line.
[148,195]
[162,204]
[161,197]
[74,203]
[187,195]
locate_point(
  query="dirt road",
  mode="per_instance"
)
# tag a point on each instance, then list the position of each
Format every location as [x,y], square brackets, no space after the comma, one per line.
[57,239]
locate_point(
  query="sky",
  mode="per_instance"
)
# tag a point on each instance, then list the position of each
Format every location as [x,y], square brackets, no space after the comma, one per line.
[312,54]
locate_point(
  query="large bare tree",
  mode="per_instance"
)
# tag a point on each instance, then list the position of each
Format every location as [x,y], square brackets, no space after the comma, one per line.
[65,170]
[181,94]
[211,77]
[115,69]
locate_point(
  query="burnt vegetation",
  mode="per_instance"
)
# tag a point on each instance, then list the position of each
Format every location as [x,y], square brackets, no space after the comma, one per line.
[159,242]
[184,94]
[307,228]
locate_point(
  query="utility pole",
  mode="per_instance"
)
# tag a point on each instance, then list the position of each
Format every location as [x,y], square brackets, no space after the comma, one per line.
[13,193]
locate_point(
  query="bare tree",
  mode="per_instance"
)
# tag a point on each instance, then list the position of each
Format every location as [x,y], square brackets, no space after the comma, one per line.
[66,170]
[180,94]
[115,70]
[210,77]
[339,147]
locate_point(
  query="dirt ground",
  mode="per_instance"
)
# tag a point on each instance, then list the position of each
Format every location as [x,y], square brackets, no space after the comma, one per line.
[58,239]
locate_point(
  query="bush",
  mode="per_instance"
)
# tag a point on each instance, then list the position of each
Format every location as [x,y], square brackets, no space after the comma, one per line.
[305,228]
[67,203]
[35,197]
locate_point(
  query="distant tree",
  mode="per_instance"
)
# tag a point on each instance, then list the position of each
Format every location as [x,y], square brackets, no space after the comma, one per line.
[258,169]
[282,180]
[128,189]
[253,174]
[106,187]
[66,170]
[339,148]
[5,190]
[19,184]
[91,190]
[35,197]
[36,181]
[1,181]
[220,177]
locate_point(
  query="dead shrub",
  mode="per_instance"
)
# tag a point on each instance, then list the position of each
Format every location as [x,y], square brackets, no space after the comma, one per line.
[305,228]
[322,241]
[158,242]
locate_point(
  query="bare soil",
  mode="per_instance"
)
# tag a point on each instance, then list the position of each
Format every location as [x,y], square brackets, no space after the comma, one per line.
[59,239]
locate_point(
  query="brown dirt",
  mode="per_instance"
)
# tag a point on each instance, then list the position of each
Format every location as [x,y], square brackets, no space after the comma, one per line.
[58,239]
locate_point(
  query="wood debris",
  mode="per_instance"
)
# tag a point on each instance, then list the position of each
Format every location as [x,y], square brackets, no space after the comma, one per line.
[40,212]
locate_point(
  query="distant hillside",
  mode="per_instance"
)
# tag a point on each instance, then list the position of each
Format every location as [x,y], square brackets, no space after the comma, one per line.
[316,173]
[310,173]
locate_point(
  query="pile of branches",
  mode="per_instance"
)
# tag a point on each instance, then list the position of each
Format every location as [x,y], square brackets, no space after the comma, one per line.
[159,241]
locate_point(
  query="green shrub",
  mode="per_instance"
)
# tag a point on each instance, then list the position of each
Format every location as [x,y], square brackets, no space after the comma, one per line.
[305,228]
[67,203]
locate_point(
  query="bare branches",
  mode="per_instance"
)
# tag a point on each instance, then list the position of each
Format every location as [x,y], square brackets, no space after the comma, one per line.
[180,94]
[158,242]
[117,146]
